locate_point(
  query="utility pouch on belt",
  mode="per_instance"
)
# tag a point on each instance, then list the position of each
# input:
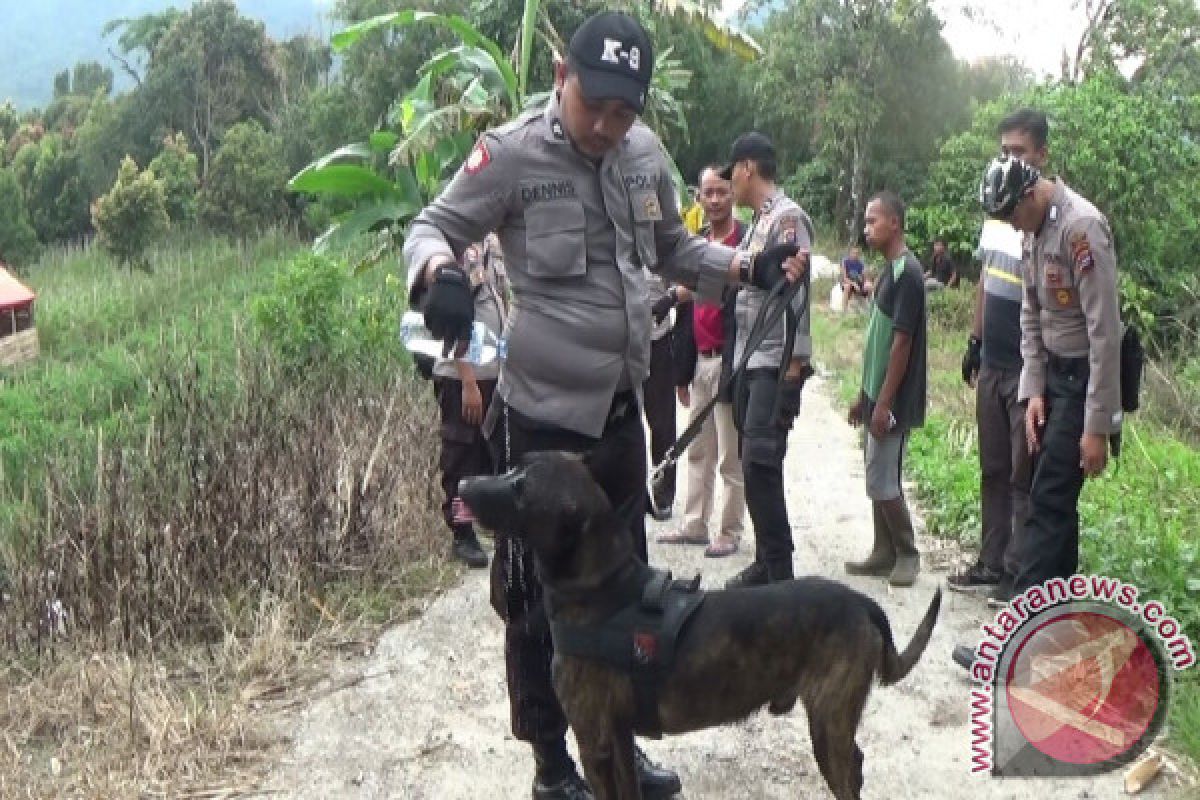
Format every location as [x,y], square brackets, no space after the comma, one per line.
[1133,361]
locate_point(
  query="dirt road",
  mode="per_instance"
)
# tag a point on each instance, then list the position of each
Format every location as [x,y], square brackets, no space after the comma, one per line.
[430,721]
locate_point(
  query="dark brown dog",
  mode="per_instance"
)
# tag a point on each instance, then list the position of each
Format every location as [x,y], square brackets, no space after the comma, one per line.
[811,639]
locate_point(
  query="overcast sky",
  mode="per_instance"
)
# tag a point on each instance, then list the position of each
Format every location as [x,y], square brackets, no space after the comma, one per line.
[1034,31]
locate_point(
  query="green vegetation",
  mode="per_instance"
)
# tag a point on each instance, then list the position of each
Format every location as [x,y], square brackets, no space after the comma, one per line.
[132,215]
[1138,520]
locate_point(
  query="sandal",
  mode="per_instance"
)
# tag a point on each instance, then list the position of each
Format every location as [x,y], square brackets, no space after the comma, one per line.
[721,548]
[679,537]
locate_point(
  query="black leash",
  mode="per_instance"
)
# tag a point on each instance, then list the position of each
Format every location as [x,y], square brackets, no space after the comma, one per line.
[778,303]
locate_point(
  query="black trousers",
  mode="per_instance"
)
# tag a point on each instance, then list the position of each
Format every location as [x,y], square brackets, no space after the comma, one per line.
[764,416]
[1005,467]
[659,394]
[465,450]
[618,461]
[1050,546]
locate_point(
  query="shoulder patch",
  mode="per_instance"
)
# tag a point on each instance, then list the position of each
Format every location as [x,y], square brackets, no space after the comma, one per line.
[1081,252]
[479,158]
[787,230]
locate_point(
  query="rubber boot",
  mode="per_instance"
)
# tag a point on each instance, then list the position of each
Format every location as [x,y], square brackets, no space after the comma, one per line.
[908,560]
[883,555]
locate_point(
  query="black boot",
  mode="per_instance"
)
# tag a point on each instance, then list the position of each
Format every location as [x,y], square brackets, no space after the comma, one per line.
[882,559]
[557,778]
[466,548]
[753,575]
[780,570]
[658,783]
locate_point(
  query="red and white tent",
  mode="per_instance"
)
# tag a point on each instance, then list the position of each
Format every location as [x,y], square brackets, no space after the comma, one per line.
[18,336]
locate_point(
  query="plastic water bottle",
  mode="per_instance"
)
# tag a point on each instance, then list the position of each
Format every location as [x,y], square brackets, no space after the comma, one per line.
[484,347]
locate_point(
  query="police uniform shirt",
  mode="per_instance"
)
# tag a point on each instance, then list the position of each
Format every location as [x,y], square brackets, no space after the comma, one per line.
[576,235]
[779,221]
[1070,305]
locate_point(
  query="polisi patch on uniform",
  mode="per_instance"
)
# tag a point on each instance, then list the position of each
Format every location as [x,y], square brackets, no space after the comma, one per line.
[1081,251]
[550,190]
[651,207]
[1053,273]
[479,158]
[787,230]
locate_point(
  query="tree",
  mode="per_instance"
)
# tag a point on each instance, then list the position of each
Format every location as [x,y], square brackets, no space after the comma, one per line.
[89,77]
[132,215]
[175,168]
[1161,38]
[58,201]
[211,69]
[125,125]
[18,241]
[139,39]
[244,188]
[1126,151]
[9,120]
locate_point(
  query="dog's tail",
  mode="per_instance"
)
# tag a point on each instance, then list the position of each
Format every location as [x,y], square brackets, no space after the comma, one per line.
[897,665]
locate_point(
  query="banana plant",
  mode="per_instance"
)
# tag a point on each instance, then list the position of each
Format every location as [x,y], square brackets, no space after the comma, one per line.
[462,90]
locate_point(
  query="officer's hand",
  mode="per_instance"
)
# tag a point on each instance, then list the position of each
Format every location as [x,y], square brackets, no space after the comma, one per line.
[449,309]
[767,270]
[855,415]
[662,307]
[684,394]
[1093,453]
[1035,420]
[972,360]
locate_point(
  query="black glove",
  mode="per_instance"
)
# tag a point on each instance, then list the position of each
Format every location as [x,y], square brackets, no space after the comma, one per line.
[972,360]
[766,270]
[449,308]
[662,307]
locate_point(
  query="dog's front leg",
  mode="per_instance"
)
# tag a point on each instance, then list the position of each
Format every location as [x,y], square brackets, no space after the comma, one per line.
[625,766]
[609,764]
[598,765]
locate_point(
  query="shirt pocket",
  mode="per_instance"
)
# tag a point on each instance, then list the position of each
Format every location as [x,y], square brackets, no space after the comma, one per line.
[556,240]
[1056,283]
[647,212]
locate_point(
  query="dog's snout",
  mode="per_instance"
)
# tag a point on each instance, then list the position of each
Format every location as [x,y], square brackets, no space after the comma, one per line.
[492,499]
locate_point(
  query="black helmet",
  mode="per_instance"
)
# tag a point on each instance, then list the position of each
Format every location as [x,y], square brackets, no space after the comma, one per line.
[1005,181]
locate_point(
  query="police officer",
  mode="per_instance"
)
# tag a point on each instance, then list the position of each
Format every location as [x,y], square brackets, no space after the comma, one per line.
[1071,343]
[464,393]
[767,398]
[581,198]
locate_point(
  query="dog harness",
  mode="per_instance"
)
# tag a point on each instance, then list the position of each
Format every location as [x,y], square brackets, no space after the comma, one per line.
[639,638]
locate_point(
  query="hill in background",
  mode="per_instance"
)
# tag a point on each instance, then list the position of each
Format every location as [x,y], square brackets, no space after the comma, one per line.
[41,38]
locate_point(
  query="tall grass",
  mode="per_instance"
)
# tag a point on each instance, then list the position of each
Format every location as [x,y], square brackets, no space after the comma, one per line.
[187,518]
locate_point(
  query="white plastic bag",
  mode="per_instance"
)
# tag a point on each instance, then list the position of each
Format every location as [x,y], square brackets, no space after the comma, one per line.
[837,303]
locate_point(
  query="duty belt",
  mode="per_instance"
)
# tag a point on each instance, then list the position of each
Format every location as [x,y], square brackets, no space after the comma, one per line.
[1066,363]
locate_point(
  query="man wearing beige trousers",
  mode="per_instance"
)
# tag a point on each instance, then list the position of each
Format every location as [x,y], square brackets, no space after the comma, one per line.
[703,349]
